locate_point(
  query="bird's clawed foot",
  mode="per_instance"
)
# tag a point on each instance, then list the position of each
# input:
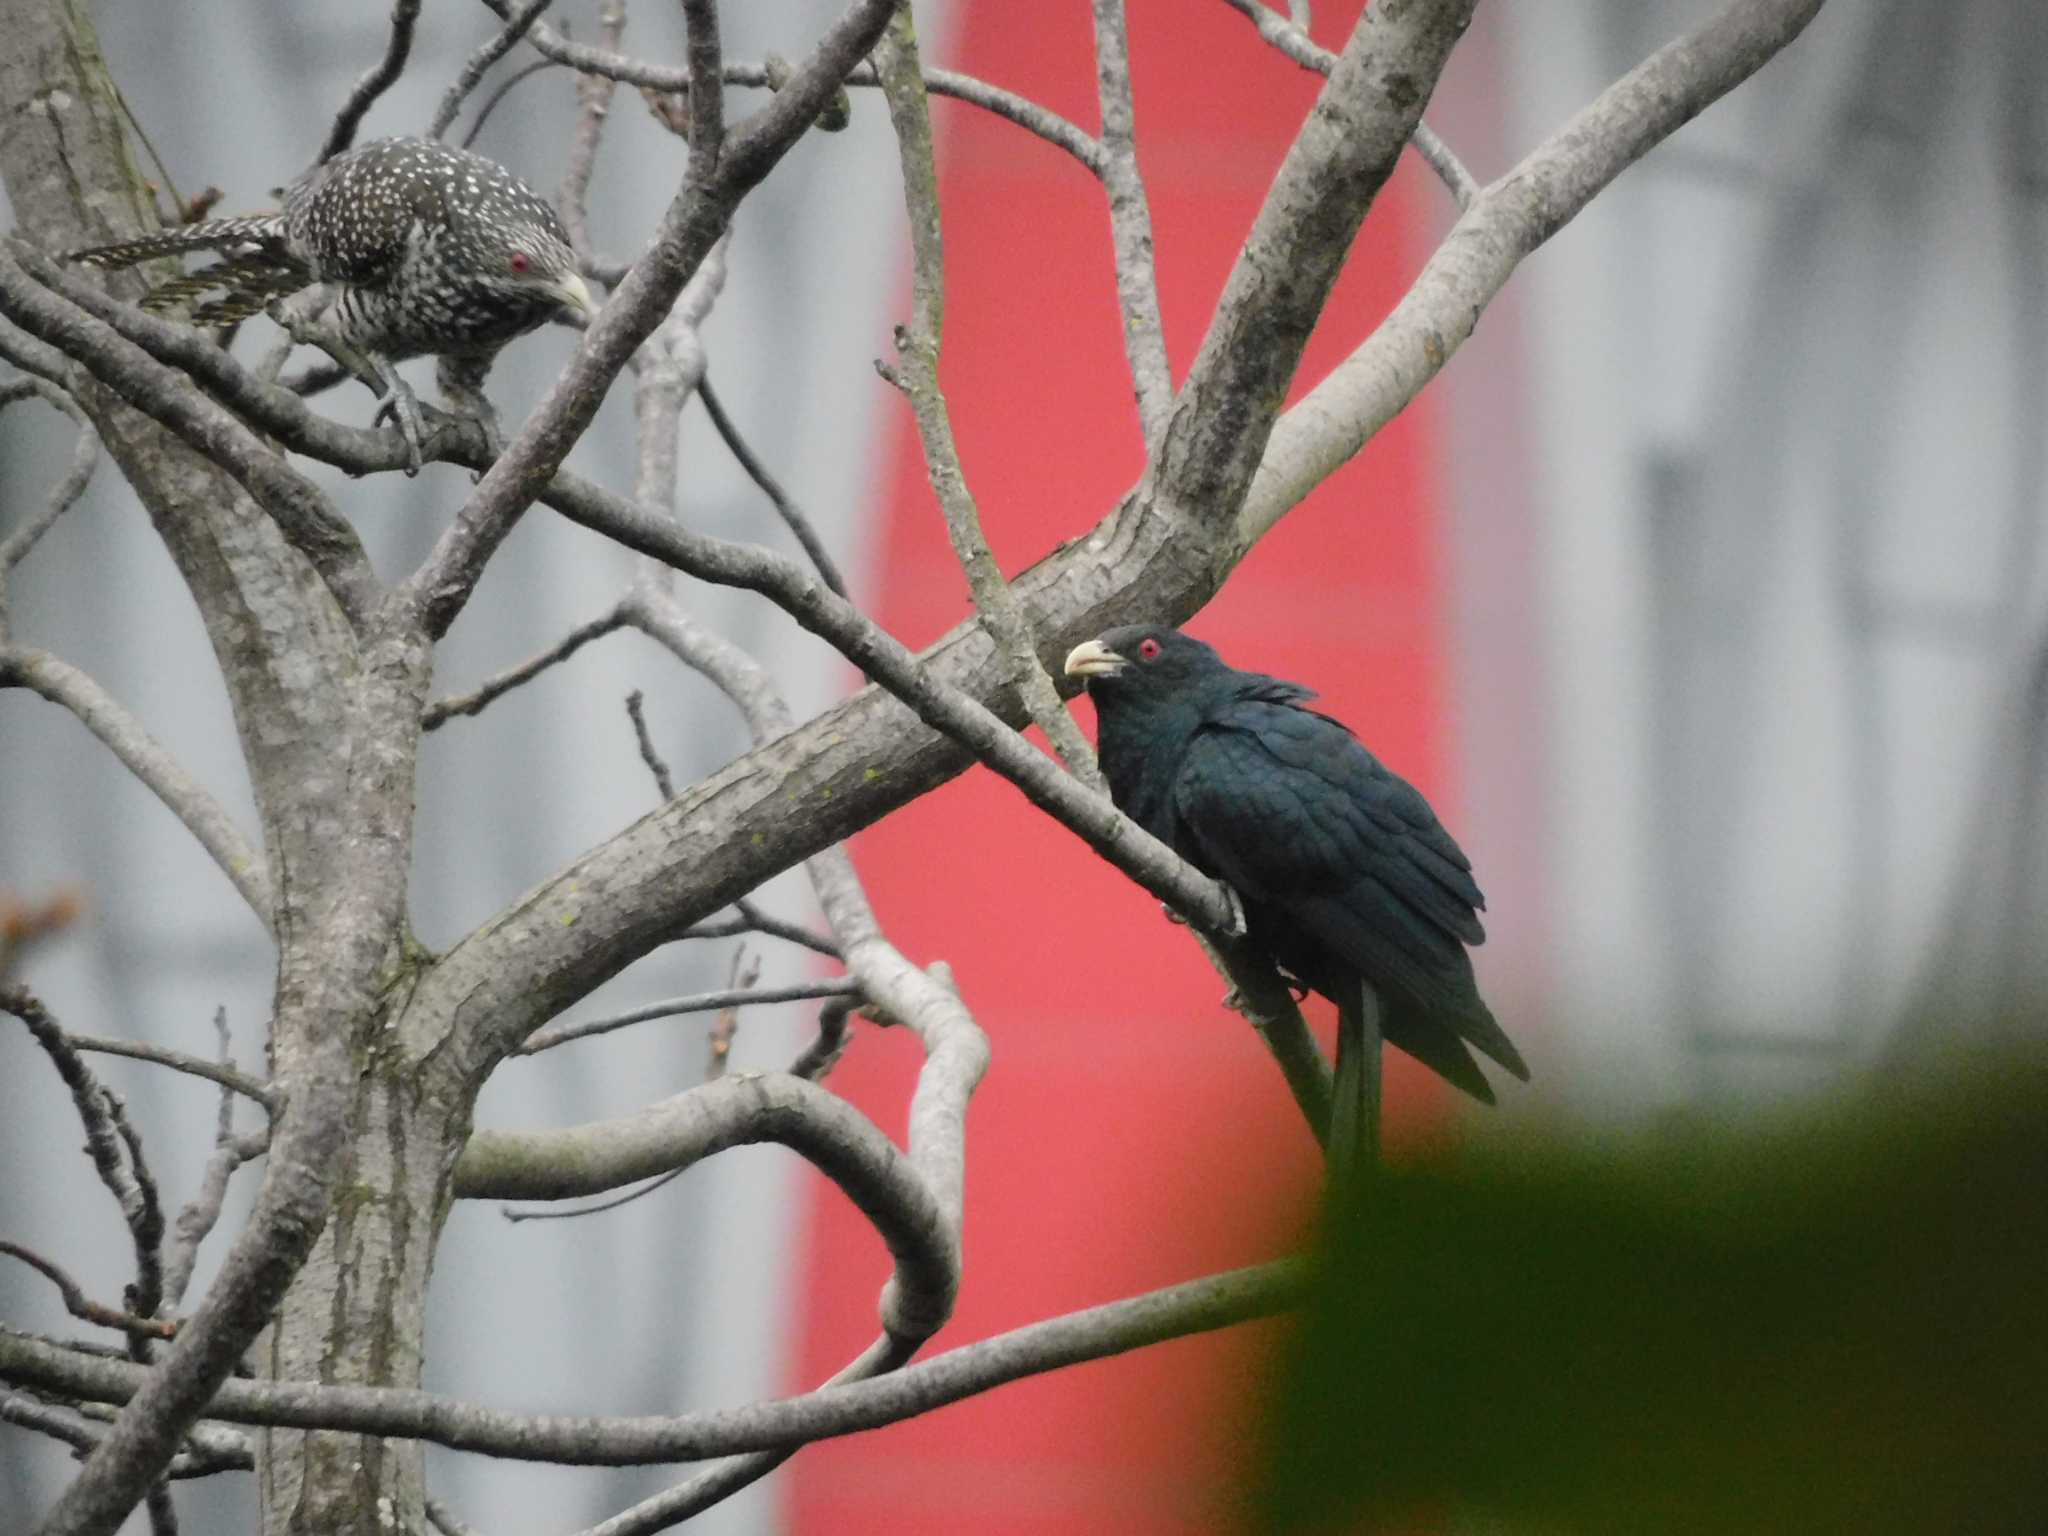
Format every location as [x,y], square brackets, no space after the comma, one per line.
[1237,926]
[1234,927]
[402,407]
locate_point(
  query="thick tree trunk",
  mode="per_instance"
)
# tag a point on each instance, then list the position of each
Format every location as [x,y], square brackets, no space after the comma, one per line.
[357,1315]
[328,719]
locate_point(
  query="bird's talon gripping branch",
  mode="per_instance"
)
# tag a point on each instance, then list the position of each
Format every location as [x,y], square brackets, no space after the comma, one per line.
[1237,927]
[400,407]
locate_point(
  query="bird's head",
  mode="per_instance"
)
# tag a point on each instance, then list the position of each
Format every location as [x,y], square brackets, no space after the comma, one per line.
[537,263]
[1140,661]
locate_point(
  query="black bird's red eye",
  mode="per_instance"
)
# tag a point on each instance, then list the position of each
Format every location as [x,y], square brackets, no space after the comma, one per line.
[1148,648]
[521,261]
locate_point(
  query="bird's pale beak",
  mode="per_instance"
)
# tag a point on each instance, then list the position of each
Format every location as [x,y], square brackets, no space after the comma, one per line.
[578,307]
[1091,658]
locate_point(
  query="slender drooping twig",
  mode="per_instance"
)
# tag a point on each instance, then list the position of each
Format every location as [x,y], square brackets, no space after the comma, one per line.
[916,373]
[792,515]
[441,711]
[182,1061]
[230,1152]
[85,454]
[478,64]
[1291,38]
[110,1141]
[1130,224]
[606,63]
[696,1002]
[499,92]
[82,1306]
[594,105]
[752,919]
[405,15]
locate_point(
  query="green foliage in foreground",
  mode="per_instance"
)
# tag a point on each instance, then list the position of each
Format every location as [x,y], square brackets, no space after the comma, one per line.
[1829,1320]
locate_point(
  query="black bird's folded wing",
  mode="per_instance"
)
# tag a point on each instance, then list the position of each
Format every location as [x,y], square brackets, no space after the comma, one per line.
[1340,857]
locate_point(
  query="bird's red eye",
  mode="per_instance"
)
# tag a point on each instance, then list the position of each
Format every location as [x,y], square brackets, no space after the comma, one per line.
[521,261]
[1148,648]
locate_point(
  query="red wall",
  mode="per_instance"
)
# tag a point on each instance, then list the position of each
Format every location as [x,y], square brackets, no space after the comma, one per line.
[1131,1132]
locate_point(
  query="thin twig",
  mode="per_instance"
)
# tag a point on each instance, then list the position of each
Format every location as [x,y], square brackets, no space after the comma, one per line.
[178,203]
[61,1424]
[697,1002]
[721,1480]
[110,1141]
[405,15]
[785,505]
[664,781]
[441,711]
[504,88]
[230,1152]
[823,1053]
[746,974]
[1291,38]
[63,497]
[209,1448]
[82,1306]
[183,1061]
[594,105]
[752,919]
[202,1212]
[1444,161]
[917,375]
[144,1211]
[518,1213]
[608,64]
[479,63]
[1130,224]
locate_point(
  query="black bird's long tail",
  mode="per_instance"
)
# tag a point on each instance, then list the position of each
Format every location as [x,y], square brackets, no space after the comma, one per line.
[1355,1109]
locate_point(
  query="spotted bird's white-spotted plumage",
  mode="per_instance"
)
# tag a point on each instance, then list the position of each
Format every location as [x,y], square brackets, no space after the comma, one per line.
[395,249]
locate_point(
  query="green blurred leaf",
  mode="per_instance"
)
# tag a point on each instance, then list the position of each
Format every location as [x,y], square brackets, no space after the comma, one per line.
[1828,1321]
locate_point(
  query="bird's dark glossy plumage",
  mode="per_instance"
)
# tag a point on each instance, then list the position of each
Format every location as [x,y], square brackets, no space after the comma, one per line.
[1345,873]
[394,249]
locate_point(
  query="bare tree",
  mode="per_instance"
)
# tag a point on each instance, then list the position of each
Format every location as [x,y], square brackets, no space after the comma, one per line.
[378,1050]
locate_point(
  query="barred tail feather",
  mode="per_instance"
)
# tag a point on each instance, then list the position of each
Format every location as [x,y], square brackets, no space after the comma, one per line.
[207,235]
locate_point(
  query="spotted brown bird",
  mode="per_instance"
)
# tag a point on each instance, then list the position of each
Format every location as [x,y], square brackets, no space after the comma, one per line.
[1350,884]
[394,249]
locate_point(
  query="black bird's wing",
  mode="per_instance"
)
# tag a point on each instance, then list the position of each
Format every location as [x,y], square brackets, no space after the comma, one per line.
[1346,862]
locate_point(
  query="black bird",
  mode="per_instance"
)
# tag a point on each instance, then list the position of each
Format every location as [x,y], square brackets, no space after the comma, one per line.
[394,249]
[1348,879]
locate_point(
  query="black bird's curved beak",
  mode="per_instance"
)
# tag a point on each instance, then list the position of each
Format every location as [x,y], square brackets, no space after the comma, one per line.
[1091,658]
